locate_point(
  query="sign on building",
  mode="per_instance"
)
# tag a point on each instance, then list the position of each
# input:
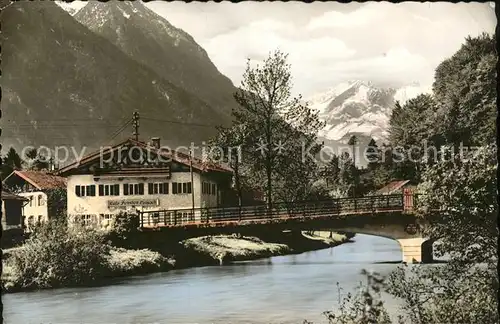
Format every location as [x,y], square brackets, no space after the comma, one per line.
[133,203]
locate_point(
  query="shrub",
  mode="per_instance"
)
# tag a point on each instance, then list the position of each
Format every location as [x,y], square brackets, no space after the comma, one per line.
[366,307]
[56,255]
[124,229]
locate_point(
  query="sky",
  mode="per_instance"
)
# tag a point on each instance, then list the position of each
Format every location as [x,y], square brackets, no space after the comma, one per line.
[329,43]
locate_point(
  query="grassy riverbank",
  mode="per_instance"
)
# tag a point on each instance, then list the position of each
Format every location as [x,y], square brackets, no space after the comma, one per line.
[226,249]
[118,263]
[85,259]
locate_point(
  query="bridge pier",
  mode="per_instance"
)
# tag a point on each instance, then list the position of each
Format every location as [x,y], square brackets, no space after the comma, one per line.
[416,250]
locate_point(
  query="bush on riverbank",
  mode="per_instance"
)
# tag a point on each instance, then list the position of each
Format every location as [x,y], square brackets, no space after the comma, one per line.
[124,230]
[56,255]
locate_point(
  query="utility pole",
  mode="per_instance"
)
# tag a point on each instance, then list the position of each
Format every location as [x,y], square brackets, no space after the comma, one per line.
[353,141]
[136,125]
[192,182]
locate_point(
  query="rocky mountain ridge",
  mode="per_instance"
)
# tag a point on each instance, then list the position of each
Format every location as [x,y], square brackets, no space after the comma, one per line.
[64,85]
[358,108]
[151,40]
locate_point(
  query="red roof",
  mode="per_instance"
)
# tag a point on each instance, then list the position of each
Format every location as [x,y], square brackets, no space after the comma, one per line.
[393,186]
[41,180]
[168,154]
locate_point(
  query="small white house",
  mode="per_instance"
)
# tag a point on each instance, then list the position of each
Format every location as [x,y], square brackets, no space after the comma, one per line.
[134,175]
[35,186]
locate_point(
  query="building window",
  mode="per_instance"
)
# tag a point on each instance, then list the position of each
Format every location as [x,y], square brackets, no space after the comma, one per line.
[158,188]
[106,216]
[40,200]
[39,221]
[130,189]
[84,191]
[181,188]
[88,219]
[31,201]
[208,188]
[109,190]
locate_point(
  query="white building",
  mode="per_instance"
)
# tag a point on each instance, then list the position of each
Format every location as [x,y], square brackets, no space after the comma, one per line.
[134,175]
[35,186]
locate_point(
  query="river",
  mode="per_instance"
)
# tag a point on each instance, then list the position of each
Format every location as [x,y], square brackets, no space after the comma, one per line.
[285,289]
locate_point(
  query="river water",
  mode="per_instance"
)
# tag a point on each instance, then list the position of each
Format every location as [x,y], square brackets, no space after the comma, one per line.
[285,289]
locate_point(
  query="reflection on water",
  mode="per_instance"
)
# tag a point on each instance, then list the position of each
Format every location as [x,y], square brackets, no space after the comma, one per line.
[284,289]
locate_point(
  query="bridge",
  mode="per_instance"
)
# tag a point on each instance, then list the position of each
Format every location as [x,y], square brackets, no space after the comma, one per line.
[390,216]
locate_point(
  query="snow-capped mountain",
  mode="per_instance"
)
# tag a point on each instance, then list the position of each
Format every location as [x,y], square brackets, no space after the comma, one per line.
[358,108]
[71,7]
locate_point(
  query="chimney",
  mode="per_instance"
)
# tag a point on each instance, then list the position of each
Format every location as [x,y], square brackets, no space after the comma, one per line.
[156,142]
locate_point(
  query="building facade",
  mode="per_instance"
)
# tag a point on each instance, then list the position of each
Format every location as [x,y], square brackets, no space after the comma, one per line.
[135,176]
[35,186]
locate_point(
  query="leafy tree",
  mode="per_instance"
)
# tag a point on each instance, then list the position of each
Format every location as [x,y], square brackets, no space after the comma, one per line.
[464,190]
[57,203]
[412,130]
[278,126]
[412,124]
[465,90]
[297,168]
[36,160]
[264,95]
[373,155]
[228,146]
[348,174]
[459,200]
[332,171]
[10,162]
[125,230]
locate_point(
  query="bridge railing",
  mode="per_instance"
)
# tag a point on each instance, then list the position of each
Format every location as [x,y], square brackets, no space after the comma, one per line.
[258,213]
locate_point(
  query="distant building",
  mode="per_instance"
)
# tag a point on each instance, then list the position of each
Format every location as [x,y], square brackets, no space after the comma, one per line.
[396,187]
[35,186]
[12,210]
[135,175]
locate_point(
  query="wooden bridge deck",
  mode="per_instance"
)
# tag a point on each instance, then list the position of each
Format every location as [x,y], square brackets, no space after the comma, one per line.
[260,214]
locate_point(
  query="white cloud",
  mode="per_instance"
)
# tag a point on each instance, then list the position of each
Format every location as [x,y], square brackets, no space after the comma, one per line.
[328,42]
[360,17]
[397,65]
[255,40]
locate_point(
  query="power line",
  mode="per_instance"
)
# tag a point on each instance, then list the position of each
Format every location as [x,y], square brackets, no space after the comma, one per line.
[119,130]
[35,127]
[63,122]
[179,122]
[94,125]
[59,119]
